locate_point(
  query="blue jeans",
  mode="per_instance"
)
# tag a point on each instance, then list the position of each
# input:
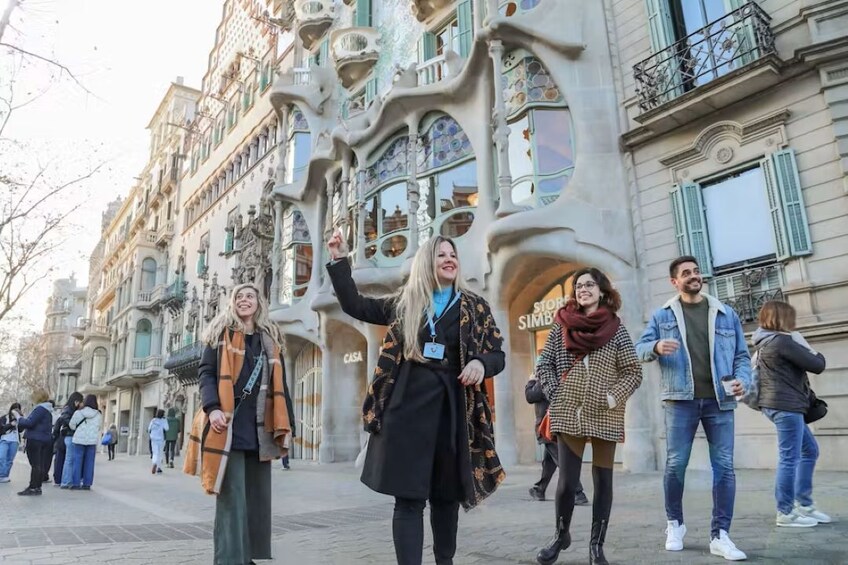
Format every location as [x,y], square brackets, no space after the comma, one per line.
[681,422]
[84,465]
[70,457]
[797,455]
[8,450]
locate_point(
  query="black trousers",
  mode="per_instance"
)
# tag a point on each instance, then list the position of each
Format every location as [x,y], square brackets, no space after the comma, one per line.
[111,449]
[170,450]
[408,530]
[549,464]
[39,454]
[59,460]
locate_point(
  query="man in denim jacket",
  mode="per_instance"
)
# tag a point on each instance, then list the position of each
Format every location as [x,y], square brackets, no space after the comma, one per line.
[697,341]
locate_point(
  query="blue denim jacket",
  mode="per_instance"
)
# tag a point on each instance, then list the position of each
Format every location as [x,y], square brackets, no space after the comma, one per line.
[728,350]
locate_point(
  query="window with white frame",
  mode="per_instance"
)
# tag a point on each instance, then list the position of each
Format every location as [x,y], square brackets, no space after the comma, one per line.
[702,216]
[296,267]
[300,146]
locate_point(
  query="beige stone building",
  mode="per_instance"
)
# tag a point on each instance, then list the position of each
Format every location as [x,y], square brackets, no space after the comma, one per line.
[735,142]
[65,309]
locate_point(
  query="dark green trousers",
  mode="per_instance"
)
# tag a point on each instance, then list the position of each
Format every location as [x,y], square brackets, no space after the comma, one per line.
[243,511]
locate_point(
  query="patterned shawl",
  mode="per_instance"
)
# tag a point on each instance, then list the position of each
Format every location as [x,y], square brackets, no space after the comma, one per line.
[208,451]
[478,334]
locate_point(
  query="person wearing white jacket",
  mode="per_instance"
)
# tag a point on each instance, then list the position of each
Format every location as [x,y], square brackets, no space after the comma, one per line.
[86,423]
[156,429]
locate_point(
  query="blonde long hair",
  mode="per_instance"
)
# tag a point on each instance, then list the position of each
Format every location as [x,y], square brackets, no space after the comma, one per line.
[229,319]
[416,296]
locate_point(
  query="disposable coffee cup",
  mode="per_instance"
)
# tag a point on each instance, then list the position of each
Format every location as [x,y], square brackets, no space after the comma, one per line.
[727,382]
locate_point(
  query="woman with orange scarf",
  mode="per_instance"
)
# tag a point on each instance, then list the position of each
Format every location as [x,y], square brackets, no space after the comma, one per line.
[244,424]
[588,370]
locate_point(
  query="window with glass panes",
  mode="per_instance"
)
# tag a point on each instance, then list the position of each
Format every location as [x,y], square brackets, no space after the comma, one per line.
[296,265]
[541,146]
[300,146]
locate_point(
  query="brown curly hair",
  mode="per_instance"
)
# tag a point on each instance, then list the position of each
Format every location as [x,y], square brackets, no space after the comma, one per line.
[610,298]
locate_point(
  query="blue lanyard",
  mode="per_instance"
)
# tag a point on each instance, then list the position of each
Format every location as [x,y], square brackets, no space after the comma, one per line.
[432,323]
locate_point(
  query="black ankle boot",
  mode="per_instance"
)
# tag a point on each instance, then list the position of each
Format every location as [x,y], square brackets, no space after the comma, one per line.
[549,554]
[596,544]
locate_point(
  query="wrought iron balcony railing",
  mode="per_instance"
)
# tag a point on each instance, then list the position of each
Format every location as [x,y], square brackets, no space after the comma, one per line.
[729,43]
[748,290]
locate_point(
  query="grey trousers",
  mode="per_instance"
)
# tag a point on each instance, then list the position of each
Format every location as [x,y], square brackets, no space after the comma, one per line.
[243,511]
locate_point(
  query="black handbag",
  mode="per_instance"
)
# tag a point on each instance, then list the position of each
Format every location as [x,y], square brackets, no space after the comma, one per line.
[816,410]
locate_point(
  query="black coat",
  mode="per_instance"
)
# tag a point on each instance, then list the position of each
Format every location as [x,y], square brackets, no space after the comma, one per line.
[534,395]
[782,368]
[426,400]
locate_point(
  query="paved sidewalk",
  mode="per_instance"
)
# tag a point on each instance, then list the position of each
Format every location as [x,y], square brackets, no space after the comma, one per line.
[323,515]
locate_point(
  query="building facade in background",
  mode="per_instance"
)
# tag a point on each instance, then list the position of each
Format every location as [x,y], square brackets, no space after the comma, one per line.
[543,135]
[65,310]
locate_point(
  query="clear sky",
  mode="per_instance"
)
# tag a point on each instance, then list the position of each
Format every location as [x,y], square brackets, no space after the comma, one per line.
[126,54]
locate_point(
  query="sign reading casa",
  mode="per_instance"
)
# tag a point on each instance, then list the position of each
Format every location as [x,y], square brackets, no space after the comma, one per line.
[542,315]
[352,357]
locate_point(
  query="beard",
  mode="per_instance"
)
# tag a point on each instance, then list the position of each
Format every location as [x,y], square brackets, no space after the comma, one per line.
[693,287]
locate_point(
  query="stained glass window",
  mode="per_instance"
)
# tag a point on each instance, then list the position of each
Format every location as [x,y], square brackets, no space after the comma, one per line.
[443,143]
[391,164]
[526,82]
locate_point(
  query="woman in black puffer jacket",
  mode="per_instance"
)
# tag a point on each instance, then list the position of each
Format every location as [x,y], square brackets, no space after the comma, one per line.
[783,359]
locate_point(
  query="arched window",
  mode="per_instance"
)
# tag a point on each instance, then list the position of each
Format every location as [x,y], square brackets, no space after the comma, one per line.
[143,334]
[541,148]
[148,274]
[99,363]
[297,256]
[300,146]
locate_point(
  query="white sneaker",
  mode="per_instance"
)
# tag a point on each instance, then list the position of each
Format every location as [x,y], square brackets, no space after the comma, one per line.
[811,512]
[723,546]
[795,520]
[4,479]
[674,536]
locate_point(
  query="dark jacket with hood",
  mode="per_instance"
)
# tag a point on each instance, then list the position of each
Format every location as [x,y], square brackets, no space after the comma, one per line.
[39,424]
[782,369]
[60,428]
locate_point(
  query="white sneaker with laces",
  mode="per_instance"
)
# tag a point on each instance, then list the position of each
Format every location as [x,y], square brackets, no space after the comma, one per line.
[795,520]
[724,547]
[674,536]
[812,512]
[4,479]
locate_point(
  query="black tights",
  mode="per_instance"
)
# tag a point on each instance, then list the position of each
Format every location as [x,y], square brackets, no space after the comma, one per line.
[408,530]
[570,461]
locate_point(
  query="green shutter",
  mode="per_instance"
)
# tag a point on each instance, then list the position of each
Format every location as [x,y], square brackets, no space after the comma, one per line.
[363,13]
[370,90]
[792,199]
[324,53]
[690,224]
[778,224]
[201,263]
[659,24]
[681,236]
[228,242]
[426,47]
[465,22]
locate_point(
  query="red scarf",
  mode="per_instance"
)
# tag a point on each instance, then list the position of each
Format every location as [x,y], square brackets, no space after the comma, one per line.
[586,333]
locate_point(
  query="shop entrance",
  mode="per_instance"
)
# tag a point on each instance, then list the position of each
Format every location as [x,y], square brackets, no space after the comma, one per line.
[307,402]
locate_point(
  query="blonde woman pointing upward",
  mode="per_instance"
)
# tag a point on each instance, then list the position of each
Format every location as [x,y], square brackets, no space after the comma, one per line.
[426,409]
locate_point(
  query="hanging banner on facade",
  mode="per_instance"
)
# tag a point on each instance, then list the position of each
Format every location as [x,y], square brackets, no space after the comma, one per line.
[542,315]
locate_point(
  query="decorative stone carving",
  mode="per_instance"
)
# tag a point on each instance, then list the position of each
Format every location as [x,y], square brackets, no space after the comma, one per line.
[724,155]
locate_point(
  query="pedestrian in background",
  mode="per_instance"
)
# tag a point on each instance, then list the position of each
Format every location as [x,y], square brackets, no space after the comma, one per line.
[113,441]
[704,362]
[172,434]
[534,395]
[156,430]
[38,428]
[63,467]
[244,424]
[588,370]
[441,343]
[86,423]
[9,440]
[783,359]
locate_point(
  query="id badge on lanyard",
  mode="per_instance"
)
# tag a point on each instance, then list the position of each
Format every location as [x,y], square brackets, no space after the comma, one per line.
[432,349]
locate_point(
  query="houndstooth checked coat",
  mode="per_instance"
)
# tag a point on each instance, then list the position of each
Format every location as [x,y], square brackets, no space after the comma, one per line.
[579,405]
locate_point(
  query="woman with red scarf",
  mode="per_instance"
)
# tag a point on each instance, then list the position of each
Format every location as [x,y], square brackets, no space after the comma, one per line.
[588,370]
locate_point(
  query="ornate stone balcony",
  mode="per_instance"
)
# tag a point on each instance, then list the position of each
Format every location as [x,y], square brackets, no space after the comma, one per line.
[355,51]
[165,233]
[432,71]
[423,10]
[314,18]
